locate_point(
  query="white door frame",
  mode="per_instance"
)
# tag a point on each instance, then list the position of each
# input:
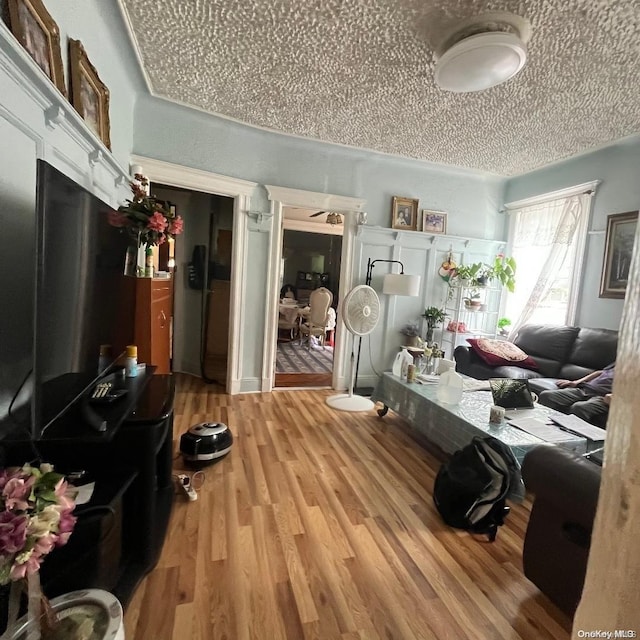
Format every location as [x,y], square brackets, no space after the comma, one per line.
[284,197]
[241,191]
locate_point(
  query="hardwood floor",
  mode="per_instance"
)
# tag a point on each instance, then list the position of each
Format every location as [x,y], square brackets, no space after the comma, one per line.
[321,525]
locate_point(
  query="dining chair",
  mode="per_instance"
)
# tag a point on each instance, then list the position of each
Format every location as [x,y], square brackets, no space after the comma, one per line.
[289,320]
[316,323]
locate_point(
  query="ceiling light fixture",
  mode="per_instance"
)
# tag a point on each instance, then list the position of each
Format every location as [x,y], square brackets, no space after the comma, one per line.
[480,61]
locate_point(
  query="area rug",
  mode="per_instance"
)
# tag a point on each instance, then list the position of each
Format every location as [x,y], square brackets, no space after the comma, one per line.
[297,358]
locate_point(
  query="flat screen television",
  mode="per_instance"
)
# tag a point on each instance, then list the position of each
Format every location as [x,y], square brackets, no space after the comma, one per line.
[78,307]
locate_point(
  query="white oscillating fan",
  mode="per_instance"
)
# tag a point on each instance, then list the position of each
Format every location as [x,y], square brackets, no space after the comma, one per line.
[360,310]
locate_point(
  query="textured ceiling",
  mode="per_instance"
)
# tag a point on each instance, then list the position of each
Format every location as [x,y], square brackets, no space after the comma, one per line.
[360,73]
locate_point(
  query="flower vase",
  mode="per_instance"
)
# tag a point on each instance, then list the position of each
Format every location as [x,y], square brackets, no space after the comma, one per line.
[134,263]
[429,336]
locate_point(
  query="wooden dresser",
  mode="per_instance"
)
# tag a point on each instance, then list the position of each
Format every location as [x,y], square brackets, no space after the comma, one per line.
[149,304]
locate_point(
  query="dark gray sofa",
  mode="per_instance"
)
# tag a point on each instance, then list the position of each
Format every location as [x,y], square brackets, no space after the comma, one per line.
[558,538]
[559,351]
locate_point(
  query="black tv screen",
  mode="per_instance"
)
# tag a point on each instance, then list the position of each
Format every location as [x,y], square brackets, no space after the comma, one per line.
[78,305]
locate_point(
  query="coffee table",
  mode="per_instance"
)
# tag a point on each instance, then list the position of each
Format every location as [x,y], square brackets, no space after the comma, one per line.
[452,427]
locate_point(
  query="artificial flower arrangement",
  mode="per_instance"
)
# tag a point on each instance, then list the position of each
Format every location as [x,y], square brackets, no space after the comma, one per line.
[148,220]
[36,506]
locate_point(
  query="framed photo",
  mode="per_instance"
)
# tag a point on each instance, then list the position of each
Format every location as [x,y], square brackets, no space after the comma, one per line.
[404,213]
[37,32]
[434,221]
[89,96]
[621,231]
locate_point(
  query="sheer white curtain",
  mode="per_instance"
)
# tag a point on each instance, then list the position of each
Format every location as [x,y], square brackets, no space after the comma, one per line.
[545,241]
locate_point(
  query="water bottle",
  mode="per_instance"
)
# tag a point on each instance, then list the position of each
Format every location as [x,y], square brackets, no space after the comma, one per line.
[105,357]
[131,362]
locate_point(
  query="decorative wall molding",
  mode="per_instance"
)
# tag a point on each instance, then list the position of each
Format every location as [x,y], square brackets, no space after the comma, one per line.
[179,176]
[51,110]
[313,199]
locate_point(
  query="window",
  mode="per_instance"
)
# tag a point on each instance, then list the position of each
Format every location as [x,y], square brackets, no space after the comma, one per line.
[547,239]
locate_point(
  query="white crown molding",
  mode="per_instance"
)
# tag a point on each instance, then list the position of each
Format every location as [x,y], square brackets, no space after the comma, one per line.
[568,192]
[179,176]
[313,199]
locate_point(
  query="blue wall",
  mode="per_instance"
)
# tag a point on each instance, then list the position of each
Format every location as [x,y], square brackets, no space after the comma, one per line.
[618,167]
[177,134]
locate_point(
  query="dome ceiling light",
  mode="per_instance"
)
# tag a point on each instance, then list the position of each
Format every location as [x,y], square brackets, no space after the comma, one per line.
[480,61]
[481,51]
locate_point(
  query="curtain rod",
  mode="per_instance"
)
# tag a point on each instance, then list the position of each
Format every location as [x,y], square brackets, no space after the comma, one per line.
[577,190]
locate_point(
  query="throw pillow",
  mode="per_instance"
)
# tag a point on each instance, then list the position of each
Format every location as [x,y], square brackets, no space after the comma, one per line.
[500,352]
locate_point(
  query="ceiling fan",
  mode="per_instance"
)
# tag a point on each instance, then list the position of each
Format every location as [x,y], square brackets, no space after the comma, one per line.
[332,217]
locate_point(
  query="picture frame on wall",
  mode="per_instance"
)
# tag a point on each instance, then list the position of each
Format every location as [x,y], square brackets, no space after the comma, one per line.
[89,95]
[404,213]
[38,33]
[618,248]
[434,221]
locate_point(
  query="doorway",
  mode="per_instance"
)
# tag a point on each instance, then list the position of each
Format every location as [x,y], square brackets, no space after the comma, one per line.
[311,259]
[206,273]
[350,209]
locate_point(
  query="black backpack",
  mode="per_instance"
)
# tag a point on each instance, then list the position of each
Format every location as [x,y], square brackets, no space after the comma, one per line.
[471,489]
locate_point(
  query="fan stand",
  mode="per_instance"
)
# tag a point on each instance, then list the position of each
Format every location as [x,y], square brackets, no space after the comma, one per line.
[349,401]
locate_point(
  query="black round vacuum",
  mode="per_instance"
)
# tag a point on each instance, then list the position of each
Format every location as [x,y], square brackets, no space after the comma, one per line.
[206,442]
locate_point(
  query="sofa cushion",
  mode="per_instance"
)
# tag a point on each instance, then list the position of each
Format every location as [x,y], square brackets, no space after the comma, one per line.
[594,349]
[501,352]
[548,345]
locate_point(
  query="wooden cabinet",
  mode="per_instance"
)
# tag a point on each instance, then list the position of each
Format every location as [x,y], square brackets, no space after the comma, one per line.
[151,302]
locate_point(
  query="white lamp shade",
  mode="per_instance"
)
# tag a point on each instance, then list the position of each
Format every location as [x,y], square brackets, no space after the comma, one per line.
[401,284]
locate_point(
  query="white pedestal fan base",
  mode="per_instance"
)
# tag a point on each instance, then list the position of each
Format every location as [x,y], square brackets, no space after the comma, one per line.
[345,402]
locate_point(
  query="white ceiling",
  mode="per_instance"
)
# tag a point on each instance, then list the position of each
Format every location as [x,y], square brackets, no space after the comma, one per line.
[360,73]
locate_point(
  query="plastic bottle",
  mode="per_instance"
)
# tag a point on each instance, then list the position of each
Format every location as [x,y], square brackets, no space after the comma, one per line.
[450,387]
[131,362]
[401,364]
[105,357]
[148,262]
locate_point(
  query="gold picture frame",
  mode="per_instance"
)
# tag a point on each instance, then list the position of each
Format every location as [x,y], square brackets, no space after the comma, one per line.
[38,33]
[89,95]
[618,249]
[404,213]
[434,221]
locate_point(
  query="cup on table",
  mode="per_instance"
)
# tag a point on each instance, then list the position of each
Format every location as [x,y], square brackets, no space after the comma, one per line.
[496,415]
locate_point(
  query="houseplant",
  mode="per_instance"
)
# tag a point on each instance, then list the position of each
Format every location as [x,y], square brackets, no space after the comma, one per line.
[412,332]
[503,323]
[434,318]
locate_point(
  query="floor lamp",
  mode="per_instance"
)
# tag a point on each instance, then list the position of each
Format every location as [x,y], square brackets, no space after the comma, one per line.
[394,284]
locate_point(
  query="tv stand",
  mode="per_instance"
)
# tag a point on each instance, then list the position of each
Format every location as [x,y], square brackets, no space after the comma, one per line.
[120,538]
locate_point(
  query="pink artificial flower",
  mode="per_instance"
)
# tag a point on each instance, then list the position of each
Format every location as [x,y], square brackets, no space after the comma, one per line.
[63,493]
[44,544]
[31,566]
[13,532]
[117,219]
[16,492]
[157,222]
[176,225]
[161,239]
[65,527]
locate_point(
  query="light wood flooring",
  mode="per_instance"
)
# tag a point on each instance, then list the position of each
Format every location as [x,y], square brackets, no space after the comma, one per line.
[321,525]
